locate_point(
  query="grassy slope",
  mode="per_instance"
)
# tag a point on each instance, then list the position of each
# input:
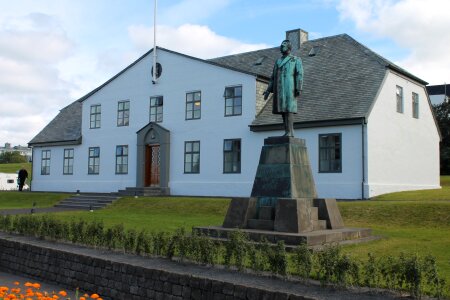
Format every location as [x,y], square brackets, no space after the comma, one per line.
[15,199]
[417,223]
[159,213]
[13,168]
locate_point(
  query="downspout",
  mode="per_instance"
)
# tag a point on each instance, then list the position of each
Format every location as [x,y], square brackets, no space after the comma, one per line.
[32,162]
[363,148]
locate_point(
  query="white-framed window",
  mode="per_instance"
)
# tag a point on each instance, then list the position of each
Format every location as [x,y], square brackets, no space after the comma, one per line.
[95,116]
[122,159]
[156,109]
[232,156]
[415,105]
[123,113]
[233,101]
[68,162]
[94,160]
[192,157]
[399,97]
[193,105]
[330,153]
[45,162]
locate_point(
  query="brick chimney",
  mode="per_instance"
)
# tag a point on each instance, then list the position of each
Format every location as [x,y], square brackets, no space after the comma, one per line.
[297,37]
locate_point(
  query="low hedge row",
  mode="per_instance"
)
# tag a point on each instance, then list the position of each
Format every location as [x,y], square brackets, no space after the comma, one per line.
[406,272]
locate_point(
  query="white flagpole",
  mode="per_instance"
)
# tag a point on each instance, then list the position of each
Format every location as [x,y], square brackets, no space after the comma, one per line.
[154,44]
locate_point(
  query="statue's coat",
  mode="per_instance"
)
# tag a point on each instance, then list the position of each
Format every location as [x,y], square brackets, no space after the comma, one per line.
[285,83]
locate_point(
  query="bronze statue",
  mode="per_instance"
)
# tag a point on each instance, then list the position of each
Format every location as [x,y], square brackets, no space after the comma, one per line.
[286,85]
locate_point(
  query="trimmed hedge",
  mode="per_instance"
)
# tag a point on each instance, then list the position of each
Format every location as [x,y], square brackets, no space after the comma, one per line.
[407,272]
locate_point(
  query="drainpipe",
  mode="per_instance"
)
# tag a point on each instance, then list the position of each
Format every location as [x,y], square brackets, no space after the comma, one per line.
[363,148]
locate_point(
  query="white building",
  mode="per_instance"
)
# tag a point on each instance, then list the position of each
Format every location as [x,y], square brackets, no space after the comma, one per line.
[368,125]
[24,151]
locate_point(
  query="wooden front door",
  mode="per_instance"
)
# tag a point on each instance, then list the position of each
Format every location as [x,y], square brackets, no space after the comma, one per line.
[152,165]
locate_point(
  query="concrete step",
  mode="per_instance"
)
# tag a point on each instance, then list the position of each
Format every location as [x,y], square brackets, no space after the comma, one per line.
[144,191]
[82,207]
[319,224]
[314,213]
[260,224]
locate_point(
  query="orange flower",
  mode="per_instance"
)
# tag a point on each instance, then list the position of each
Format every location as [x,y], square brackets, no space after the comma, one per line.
[94,296]
[28,284]
[82,298]
[36,285]
[55,297]
[62,293]
[16,283]
[3,289]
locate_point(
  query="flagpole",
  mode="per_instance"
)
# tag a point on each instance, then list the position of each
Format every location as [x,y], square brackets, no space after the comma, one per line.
[154,44]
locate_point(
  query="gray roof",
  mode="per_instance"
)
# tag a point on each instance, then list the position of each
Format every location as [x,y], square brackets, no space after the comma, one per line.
[340,81]
[64,129]
[340,84]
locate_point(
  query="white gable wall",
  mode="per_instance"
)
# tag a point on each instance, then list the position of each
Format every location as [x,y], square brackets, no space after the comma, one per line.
[180,75]
[403,152]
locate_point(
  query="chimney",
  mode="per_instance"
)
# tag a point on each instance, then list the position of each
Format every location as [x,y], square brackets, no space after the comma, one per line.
[297,37]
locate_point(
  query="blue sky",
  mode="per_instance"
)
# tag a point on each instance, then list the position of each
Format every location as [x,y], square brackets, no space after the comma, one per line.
[55,51]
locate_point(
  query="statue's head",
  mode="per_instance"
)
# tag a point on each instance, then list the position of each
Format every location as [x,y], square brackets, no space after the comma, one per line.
[286,46]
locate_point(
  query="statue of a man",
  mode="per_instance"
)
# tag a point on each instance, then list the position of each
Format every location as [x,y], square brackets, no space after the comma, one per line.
[286,85]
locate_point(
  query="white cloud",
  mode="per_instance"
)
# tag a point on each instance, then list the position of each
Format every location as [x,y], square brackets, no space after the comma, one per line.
[421,27]
[195,40]
[31,88]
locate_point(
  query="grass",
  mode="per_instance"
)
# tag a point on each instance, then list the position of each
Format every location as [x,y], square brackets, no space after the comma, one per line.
[158,213]
[411,222]
[15,199]
[13,168]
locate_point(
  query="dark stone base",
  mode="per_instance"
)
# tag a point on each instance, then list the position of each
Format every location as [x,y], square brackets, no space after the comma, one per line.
[312,238]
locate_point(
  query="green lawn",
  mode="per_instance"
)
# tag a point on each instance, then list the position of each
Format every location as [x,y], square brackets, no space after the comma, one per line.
[417,223]
[15,199]
[13,168]
[158,213]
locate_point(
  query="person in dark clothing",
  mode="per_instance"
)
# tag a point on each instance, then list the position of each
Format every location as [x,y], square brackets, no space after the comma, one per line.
[22,176]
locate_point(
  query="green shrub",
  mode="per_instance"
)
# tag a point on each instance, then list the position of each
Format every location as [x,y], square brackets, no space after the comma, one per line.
[303,261]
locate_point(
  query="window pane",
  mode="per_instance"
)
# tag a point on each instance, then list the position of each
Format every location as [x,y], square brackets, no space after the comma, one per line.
[196,147]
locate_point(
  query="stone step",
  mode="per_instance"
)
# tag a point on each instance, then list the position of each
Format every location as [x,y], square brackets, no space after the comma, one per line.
[260,224]
[80,206]
[266,213]
[314,213]
[319,224]
[144,191]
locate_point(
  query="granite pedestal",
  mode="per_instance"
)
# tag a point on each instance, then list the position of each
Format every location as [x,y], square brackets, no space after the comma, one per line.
[283,204]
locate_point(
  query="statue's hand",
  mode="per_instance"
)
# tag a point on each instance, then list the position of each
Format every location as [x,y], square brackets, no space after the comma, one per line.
[266,95]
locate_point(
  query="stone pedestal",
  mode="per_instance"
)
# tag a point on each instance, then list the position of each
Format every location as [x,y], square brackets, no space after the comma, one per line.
[283,203]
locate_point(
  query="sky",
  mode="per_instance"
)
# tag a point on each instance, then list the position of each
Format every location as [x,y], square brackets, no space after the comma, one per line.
[53,52]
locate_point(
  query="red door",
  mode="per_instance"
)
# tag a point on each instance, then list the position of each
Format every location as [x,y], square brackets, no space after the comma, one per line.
[152,165]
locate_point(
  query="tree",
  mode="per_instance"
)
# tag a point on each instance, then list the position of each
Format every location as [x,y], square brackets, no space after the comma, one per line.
[442,113]
[12,157]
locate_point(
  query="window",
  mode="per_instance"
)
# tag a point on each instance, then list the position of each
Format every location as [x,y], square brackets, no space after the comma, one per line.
[122,160]
[68,162]
[232,156]
[94,160]
[415,105]
[156,109]
[96,114]
[45,162]
[399,92]
[233,101]
[192,157]
[330,149]
[123,113]
[193,105]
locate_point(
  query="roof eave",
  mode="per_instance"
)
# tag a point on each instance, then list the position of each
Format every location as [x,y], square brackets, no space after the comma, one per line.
[309,124]
[56,143]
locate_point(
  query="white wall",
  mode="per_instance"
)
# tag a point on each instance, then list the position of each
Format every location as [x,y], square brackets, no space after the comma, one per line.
[403,152]
[180,75]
